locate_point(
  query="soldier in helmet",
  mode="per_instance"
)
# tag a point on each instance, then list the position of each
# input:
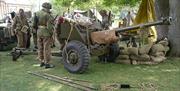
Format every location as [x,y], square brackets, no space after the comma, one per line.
[20,26]
[44,34]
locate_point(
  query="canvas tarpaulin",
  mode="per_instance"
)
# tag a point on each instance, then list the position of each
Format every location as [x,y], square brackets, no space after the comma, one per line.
[146,13]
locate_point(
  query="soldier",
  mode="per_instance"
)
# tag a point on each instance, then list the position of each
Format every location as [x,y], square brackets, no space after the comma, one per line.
[105,19]
[20,26]
[129,19]
[34,31]
[44,35]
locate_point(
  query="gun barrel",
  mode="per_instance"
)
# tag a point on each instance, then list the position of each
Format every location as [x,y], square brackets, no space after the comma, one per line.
[160,22]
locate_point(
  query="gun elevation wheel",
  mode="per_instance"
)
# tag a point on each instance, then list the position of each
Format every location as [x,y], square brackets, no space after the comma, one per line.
[76,57]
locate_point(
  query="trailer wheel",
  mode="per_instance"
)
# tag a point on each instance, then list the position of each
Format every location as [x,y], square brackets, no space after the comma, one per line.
[112,55]
[76,57]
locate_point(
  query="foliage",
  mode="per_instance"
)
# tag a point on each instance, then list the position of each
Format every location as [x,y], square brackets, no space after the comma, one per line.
[114,5]
[120,2]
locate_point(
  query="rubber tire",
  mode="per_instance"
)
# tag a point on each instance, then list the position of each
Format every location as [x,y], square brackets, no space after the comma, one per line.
[1,47]
[112,55]
[83,53]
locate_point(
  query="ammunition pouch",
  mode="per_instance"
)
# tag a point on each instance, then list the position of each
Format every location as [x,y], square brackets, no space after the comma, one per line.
[24,29]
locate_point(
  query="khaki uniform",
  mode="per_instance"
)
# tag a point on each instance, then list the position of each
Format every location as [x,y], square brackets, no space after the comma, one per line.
[20,25]
[44,35]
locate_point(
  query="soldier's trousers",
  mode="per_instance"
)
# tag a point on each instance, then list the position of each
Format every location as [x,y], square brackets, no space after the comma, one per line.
[44,49]
[22,39]
[35,39]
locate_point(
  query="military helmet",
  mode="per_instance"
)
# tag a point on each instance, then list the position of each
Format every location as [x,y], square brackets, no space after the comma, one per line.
[47,5]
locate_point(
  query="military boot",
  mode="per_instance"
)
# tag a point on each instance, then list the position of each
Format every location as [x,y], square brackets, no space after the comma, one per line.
[42,64]
[49,66]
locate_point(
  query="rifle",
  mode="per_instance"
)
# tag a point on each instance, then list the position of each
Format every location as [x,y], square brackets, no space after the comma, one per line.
[53,36]
[35,23]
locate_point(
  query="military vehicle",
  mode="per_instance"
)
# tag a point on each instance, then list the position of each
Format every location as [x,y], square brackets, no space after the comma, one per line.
[82,37]
[7,36]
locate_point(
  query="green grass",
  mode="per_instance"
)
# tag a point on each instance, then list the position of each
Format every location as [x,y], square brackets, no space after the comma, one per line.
[14,76]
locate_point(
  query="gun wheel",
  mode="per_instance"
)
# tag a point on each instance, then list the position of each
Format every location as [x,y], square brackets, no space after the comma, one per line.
[112,55]
[75,57]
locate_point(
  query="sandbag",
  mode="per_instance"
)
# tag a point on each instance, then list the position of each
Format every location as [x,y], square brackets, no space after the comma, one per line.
[143,57]
[123,57]
[146,63]
[123,61]
[135,62]
[157,48]
[145,49]
[166,49]
[123,51]
[133,51]
[158,59]
[157,54]
[164,43]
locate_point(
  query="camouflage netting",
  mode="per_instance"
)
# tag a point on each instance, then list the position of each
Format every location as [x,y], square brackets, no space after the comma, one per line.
[147,54]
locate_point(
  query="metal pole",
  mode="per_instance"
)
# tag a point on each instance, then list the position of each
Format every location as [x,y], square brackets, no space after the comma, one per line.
[7,5]
[6,8]
[0,9]
[161,22]
[3,9]
[39,4]
[61,82]
[71,81]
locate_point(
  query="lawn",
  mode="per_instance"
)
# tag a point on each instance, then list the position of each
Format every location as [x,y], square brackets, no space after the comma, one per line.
[14,76]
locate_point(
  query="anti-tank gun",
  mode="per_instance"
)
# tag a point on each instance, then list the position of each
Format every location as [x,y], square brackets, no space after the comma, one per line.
[127,31]
[80,42]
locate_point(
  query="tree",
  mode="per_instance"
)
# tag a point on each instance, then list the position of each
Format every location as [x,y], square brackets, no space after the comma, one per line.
[166,8]
[162,10]
[113,5]
[174,28]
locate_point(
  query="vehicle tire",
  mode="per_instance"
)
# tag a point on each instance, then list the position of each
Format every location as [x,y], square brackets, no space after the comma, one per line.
[1,47]
[112,55]
[76,57]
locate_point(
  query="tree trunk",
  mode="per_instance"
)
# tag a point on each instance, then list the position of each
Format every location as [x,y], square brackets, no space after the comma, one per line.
[162,10]
[174,28]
